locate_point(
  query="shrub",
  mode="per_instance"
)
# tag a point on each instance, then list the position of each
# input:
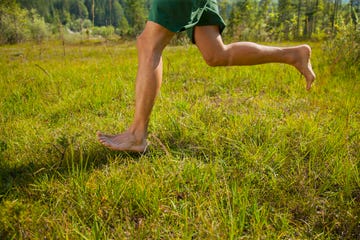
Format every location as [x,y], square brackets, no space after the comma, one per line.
[13,24]
[76,25]
[37,27]
[344,49]
[103,31]
[18,25]
[87,24]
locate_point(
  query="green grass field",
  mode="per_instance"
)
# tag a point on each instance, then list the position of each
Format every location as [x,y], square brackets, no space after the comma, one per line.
[236,153]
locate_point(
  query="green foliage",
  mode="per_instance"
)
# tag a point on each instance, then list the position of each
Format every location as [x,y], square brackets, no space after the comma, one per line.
[247,20]
[86,24]
[103,31]
[136,13]
[79,25]
[236,153]
[18,25]
[343,51]
[13,24]
[252,20]
[79,9]
[39,30]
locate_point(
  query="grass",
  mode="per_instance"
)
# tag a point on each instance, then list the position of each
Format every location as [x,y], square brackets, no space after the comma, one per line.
[237,153]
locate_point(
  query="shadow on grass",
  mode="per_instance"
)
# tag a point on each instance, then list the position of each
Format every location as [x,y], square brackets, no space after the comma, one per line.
[16,178]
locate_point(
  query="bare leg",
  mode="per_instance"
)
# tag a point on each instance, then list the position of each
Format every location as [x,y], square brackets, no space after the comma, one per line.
[216,53]
[150,45]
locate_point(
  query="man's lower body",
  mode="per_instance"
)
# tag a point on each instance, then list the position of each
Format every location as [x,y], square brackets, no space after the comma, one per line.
[155,38]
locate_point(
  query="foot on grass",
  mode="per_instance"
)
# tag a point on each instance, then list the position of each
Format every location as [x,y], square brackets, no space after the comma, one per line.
[122,142]
[303,64]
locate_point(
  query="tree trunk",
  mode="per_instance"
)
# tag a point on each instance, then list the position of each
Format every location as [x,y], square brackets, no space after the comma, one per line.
[93,11]
[337,4]
[298,19]
[110,12]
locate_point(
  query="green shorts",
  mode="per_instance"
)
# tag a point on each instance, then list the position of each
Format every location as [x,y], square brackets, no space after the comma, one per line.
[184,15]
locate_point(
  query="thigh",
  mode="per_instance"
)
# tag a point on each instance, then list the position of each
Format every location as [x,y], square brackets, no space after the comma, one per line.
[155,36]
[208,40]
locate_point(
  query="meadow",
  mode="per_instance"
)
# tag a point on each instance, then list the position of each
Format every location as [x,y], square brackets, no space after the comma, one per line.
[236,152]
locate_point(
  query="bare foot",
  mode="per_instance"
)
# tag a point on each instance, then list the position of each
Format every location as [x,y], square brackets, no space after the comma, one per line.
[122,142]
[303,64]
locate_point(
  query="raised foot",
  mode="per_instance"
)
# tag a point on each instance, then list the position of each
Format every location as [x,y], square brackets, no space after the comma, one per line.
[303,64]
[122,142]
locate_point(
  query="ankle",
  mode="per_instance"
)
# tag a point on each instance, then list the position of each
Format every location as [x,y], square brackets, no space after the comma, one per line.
[140,134]
[290,56]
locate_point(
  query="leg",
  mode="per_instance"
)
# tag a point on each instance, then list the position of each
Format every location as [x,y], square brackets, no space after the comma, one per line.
[216,53]
[150,45]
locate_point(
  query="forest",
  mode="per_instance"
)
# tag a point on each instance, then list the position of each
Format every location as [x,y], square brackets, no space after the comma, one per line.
[256,20]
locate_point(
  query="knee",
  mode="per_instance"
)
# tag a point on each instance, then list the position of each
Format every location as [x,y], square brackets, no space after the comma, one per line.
[141,42]
[148,46]
[215,59]
[145,48]
[212,61]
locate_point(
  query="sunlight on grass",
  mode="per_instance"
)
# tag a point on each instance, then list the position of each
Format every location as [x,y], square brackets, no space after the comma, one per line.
[236,153]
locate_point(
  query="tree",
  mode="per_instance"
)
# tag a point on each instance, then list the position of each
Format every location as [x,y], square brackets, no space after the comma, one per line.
[247,19]
[37,27]
[43,7]
[136,14]
[119,19]
[285,8]
[13,23]
[242,19]
[310,17]
[78,9]
[299,17]
[355,11]
[334,16]
[263,19]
